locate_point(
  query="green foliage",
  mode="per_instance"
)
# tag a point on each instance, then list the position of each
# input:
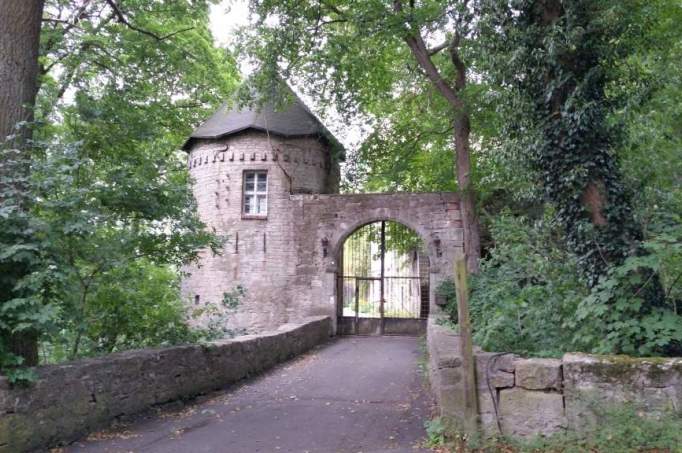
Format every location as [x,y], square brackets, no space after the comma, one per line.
[108,199]
[558,69]
[611,319]
[78,247]
[651,85]
[145,88]
[352,56]
[215,315]
[145,311]
[448,292]
[530,298]
[435,433]
[528,287]
[580,82]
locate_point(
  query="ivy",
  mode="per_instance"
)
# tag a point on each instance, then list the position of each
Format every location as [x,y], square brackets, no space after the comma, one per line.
[559,64]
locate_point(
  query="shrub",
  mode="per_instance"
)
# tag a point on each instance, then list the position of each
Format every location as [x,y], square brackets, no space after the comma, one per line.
[612,319]
[133,306]
[527,288]
[530,296]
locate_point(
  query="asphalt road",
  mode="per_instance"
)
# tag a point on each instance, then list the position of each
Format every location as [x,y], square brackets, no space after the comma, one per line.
[354,394]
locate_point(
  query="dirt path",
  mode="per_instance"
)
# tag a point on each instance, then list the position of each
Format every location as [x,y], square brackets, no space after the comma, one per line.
[355,394]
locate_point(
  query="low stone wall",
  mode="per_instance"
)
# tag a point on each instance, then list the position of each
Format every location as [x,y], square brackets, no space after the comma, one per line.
[72,399]
[544,396]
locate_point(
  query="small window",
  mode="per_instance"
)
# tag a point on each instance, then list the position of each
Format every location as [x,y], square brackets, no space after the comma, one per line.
[256,193]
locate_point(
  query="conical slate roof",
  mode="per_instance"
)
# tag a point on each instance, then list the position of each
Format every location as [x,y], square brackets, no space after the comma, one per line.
[293,121]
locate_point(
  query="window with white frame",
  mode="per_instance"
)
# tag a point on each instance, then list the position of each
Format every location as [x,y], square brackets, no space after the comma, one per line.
[255,193]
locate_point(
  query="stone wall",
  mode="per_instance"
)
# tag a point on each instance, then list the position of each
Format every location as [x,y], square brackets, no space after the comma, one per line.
[72,399]
[323,222]
[258,252]
[545,396]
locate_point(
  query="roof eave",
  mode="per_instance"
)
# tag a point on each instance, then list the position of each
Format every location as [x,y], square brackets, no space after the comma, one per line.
[328,137]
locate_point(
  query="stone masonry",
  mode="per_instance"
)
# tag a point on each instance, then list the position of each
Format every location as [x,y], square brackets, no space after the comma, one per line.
[531,397]
[72,399]
[288,260]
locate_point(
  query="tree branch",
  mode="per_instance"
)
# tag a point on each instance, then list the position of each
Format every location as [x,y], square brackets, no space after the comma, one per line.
[415,42]
[123,20]
[433,51]
[457,62]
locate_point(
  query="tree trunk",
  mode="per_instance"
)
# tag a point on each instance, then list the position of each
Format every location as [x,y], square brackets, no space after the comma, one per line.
[451,93]
[20,22]
[19,43]
[470,223]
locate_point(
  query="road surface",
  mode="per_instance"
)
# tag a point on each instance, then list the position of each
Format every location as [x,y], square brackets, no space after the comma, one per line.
[354,394]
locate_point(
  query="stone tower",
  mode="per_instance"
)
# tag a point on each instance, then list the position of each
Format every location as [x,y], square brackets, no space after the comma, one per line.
[247,165]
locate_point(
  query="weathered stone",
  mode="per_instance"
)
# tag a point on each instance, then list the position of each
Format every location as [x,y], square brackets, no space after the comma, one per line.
[287,261]
[538,374]
[533,403]
[652,385]
[527,413]
[71,399]
[449,361]
[486,411]
[491,369]
[445,372]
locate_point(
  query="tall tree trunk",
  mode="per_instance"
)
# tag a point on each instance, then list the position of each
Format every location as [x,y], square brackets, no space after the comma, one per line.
[20,22]
[462,153]
[470,223]
[19,44]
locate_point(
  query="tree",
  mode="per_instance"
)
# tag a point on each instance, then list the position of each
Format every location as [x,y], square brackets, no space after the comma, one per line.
[19,43]
[122,85]
[561,63]
[358,55]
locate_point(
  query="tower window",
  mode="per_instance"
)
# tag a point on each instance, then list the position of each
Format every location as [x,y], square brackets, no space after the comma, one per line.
[255,193]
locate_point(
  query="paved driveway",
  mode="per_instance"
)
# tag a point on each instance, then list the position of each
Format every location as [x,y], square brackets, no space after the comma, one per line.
[354,394]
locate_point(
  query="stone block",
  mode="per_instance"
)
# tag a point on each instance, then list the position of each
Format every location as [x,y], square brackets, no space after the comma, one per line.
[592,383]
[450,376]
[528,413]
[538,374]
[449,361]
[492,368]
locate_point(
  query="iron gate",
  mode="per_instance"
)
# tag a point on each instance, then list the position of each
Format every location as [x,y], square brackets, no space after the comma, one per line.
[382,304]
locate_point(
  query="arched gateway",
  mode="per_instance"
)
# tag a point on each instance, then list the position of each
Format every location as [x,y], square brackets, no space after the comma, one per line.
[268,180]
[323,222]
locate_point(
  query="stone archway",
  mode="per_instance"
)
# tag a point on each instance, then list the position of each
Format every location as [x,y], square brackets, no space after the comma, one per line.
[323,222]
[382,281]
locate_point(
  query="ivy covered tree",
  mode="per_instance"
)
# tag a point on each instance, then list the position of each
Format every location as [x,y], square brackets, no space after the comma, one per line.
[561,62]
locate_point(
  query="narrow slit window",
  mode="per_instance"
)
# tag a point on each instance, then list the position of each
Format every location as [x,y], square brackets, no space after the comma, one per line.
[256,193]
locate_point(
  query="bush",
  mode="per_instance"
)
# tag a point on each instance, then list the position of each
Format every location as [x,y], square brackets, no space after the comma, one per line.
[527,288]
[530,296]
[133,306]
[612,319]
[448,292]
